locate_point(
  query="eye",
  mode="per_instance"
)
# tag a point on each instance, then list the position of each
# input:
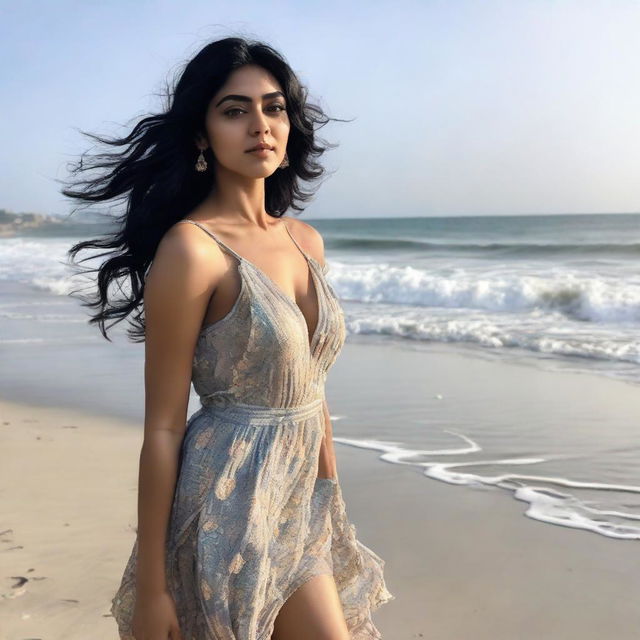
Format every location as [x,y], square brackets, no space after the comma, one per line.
[230,112]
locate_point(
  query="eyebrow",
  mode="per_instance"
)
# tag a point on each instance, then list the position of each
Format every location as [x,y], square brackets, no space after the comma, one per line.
[233,96]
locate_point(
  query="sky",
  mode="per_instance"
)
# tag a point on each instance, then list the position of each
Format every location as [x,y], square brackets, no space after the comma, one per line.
[455,107]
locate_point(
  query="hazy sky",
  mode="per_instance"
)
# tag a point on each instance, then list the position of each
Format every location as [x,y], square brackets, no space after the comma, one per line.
[461,108]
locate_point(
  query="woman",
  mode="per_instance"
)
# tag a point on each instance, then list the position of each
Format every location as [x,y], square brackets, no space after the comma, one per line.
[242,529]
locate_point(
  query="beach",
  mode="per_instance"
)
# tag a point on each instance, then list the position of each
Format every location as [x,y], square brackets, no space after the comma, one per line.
[464,562]
[463,287]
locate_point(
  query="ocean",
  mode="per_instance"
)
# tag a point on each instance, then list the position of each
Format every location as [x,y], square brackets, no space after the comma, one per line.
[560,290]
[555,292]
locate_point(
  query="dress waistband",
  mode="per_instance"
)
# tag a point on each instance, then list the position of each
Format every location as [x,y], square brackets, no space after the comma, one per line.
[260,414]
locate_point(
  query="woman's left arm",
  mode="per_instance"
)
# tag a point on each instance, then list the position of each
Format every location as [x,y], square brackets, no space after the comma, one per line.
[327,460]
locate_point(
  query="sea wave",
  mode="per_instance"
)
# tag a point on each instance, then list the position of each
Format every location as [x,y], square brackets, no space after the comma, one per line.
[576,295]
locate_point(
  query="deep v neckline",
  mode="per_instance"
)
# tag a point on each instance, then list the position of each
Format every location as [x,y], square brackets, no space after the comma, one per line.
[314,267]
[311,341]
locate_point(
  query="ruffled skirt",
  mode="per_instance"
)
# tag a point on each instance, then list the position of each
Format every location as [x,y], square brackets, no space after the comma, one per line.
[251,521]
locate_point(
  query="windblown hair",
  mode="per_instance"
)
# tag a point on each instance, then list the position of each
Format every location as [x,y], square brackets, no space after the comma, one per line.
[154,174]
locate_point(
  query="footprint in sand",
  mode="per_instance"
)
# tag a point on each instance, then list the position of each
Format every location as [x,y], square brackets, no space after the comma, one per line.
[5,536]
[17,589]
[20,581]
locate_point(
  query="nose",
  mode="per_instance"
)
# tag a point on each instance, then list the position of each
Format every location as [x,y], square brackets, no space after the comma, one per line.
[262,123]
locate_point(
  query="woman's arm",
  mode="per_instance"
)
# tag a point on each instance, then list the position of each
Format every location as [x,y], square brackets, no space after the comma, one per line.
[327,460]
[177,289]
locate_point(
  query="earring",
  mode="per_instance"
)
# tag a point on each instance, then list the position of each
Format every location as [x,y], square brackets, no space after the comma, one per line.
[285,162]
[201,163]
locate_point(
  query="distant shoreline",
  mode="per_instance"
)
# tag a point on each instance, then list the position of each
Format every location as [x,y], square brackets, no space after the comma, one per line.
[12,223]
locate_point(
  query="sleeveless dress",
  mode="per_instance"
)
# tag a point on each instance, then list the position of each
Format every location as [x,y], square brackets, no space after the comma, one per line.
[251,520]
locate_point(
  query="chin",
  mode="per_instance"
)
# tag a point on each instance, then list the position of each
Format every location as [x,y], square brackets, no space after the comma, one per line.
[259,172]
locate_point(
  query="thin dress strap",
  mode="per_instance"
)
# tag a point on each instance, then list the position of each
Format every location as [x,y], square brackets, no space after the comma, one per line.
[302,251]
[324,267]
[213,235]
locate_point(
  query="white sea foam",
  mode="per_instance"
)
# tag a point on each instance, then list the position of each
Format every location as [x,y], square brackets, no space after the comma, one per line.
[578,296]
[546,503]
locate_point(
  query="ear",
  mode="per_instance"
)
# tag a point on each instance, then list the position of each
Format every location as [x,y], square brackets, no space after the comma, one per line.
[201,141]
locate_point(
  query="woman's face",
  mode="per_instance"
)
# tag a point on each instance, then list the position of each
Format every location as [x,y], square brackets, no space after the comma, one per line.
[235,124]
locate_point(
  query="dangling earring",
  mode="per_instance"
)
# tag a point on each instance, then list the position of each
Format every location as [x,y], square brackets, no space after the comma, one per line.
[285,162]
[201,163]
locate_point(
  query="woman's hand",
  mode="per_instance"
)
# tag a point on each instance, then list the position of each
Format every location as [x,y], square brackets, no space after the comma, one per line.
[155,618]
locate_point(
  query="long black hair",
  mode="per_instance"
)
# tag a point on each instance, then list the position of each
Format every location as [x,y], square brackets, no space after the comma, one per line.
[155,175]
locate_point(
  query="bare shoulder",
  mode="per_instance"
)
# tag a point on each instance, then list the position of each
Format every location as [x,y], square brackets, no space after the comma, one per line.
[186,267]
[309,238]
[189,245]
[182,240]
[181,268]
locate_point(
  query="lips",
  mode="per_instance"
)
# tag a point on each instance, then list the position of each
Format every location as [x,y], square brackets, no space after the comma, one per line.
[260,147]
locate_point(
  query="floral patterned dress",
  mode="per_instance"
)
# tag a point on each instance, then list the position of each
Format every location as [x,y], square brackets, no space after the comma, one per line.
[251,520]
